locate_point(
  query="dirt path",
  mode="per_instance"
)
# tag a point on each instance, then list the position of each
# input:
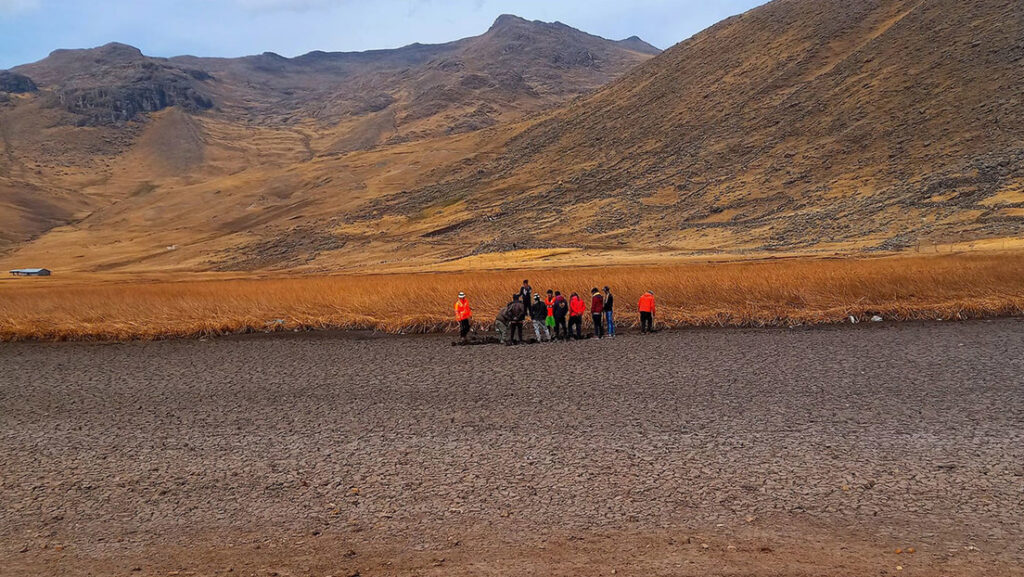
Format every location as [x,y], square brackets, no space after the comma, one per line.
[732,452]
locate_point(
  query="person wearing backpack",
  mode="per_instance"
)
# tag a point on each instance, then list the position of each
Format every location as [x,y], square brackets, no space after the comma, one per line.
[539,315]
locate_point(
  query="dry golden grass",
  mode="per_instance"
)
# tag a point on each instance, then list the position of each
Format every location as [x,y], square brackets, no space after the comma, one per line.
[783,292]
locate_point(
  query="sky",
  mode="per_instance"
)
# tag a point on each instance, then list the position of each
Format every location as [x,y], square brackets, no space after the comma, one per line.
[31,29]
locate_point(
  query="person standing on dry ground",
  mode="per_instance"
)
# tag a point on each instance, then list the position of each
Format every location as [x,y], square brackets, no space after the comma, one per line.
[463,316]
[526,294]
[549,321]
[597,312]
[516,316]
[539,315]
[561,310]
[501,324]
[576,309]
[646,307]
[609,301]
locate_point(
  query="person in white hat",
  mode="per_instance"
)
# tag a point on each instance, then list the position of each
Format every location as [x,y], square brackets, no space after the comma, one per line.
[463,315]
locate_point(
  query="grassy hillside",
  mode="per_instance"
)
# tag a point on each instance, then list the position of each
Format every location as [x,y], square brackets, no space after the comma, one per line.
[811,126]
[803,127]
[113,156]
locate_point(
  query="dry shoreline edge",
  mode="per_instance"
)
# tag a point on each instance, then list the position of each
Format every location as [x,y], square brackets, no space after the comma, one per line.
[451,329]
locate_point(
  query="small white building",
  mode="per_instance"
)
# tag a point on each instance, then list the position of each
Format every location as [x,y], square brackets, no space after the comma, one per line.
[30,272]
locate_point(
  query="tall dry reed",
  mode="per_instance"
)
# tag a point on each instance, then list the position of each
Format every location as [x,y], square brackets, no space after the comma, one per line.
[783,292]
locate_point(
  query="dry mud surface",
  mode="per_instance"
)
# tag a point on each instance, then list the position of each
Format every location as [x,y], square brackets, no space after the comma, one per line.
[730,452]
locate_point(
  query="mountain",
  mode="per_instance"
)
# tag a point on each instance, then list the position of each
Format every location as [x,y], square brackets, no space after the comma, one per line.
[517,66]
[90,134]
[800,127]
[116,83]
[811,126]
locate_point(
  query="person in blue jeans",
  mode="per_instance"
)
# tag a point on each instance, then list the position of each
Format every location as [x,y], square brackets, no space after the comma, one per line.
[609,317]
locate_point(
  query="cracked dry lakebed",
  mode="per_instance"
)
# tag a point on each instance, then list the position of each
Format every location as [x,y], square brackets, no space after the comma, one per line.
[869,450]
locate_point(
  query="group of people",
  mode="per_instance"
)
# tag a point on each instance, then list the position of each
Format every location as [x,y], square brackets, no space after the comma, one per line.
[554,316]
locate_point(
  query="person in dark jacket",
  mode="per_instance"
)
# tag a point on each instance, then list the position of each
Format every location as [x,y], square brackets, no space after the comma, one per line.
[560,312]
[539,314]
[526,295]
[516,314]
[609,302]
[597,312]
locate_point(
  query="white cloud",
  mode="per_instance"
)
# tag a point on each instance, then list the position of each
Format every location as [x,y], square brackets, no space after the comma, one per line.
[14,6]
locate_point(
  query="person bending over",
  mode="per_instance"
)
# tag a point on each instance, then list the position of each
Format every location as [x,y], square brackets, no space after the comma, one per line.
[517,313]
[646,307]
[501,324]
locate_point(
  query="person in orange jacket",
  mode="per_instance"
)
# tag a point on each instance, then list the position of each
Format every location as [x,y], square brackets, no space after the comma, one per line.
[646,308]
[463,315]
[576,310]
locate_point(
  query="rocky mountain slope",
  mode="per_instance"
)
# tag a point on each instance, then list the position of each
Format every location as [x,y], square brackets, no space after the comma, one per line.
[11,83]
[86,131]
[800,127]
[519,65]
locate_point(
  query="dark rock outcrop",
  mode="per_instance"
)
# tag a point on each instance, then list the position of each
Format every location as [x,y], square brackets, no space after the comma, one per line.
[136,88]
[16,83]
[116,83]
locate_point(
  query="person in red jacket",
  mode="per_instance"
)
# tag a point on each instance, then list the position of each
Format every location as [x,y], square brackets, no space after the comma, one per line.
[576,309]
[597,312]
[463,315]
[646,307]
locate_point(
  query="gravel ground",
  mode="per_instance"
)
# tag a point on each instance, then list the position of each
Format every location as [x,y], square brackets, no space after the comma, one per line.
[740,452]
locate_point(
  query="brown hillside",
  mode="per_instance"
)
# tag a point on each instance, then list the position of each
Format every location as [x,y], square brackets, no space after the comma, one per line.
[135,154]
[516,66]
[809,125]
[801,127]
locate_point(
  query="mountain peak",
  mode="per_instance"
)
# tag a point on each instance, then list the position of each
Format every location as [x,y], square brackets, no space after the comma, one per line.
[507,20]
[120,48]
[109,51]
[637,44]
